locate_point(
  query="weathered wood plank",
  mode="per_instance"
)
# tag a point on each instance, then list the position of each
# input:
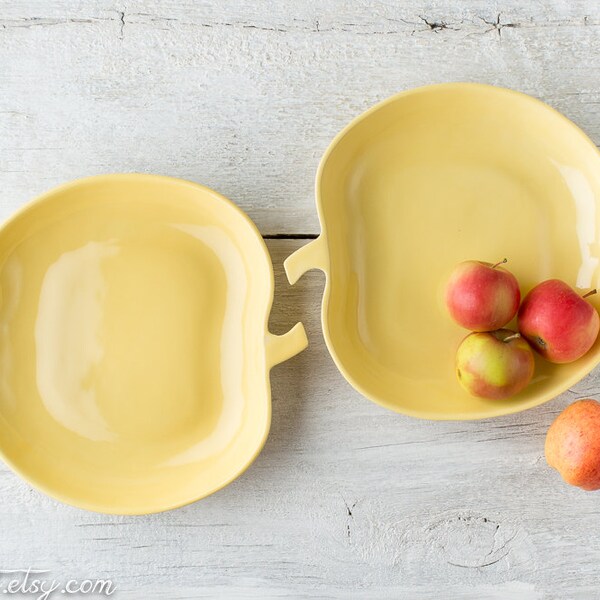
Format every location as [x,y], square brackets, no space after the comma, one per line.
[346,500]
[246,96]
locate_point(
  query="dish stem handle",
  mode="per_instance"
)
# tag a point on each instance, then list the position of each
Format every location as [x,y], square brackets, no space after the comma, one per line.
[282,347]
[311,256]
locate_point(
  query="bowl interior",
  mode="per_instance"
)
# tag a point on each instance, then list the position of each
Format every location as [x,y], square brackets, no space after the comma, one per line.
[132,324]
[432,178]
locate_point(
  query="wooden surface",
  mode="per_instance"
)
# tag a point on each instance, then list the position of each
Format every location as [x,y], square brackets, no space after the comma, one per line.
[347,499]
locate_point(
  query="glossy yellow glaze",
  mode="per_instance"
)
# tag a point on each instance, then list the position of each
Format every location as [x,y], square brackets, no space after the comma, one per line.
[134,350]
[421,182]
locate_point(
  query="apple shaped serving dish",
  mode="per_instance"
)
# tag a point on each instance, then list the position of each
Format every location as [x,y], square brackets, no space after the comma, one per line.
[135,355]
[421,182]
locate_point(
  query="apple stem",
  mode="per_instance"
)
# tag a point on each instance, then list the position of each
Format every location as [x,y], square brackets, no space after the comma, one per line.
[590,293]
[514,336]
[503,261]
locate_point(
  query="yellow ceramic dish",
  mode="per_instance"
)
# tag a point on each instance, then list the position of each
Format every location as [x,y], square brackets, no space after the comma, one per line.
[134,350]
[415,185]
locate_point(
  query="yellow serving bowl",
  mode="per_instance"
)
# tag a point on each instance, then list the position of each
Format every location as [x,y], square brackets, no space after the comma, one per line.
[420,182]
[134,349]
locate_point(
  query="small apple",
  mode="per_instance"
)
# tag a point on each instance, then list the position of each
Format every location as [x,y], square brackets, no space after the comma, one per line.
[481,296]
[494,364]
[559,323]
[573,444]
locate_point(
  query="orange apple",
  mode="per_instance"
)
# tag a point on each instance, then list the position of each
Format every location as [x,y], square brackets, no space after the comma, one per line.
[495,364]
[559,323]
[573,444]
[481,296]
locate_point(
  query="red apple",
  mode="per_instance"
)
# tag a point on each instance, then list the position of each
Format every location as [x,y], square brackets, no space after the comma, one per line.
[494,364]
[559,323]
[481,296]
[573,444]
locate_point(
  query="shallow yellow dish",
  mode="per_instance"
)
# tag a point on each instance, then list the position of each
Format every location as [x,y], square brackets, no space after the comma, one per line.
[134,350]
[415,185]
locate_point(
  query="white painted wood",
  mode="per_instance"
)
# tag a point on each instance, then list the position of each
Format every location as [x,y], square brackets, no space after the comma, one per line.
[347,499]
[245,96]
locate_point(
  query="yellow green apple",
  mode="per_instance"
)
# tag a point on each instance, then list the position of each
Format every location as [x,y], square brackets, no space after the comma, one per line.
[494,364]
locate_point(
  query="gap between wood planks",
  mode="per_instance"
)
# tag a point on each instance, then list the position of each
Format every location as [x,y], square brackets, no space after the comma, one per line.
[380,25]
[290,236]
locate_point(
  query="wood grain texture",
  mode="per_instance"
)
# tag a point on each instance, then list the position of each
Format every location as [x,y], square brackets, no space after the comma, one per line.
[245,96]
[347,499]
